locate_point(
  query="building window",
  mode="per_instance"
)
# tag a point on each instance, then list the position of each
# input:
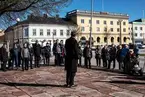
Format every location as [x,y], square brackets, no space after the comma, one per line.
[111,22]
[141,34]
[140,28]
[105,22]
[105,29]
[83,29]
[112,39]
[61,32]
[97,22]
[135,35]
[54,32]
[124,39]
[111,29]
[118,30]
[98,29]
[118,23]
[118,39]
[98,39]
[48,32]
[41,32]
[135,28]
[26,32]
[124,30]
[124,23]
[105,39]
[34,32]
[82,21]
[67,32]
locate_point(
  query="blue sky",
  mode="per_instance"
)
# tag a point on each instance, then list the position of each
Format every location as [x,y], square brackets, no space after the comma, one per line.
[132,7]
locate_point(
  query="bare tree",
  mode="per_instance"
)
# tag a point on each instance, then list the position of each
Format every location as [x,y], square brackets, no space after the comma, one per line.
[12,9]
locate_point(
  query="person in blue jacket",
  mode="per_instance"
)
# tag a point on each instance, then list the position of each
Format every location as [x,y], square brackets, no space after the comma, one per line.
[136,51]
[123,54]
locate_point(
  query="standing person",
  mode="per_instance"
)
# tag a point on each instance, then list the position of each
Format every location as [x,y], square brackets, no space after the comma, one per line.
[47,51]
[118,57]
[123,54]
[71,59]
[87,53]
[15,53]
[57,53]
[31,56]
[25,56]
[98,56]
[43,54]
[80,56]
[112,53]
[62,52]
[37,52]
[104,55]
[19,53]
[136,51]
[4,56]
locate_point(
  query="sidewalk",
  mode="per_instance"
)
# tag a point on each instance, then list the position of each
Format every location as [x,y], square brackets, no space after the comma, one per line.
[49,81]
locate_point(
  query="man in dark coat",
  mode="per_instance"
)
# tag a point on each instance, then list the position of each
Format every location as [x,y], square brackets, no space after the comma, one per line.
[37,52]
[71,59]
[4,56]
[104,53]
[57,52]
[112,53]
[87,53]
[47,51]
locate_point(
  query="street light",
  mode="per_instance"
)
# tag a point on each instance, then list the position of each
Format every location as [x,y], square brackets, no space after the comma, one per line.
[91,24]
[120,31]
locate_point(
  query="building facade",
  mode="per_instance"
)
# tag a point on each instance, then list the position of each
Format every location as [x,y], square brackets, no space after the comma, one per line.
[105,26]
[44,29]
[137,31]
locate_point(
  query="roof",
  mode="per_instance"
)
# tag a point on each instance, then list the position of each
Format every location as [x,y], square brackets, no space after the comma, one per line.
[138,20]
[97,14]
[43,20]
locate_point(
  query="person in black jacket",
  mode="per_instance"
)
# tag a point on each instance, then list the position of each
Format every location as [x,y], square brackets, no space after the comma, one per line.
[98,56]
[80,56]
[104,53]
[37,52]
[47,50]
[4,56]
[112,53]
[71,59]
[87,53]
[118,56]
[31,56]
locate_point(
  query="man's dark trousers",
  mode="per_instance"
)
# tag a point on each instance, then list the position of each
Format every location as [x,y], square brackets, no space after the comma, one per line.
[37,59]
[25,64]
[87,62]
[70,77]
[57,59]
[110,61]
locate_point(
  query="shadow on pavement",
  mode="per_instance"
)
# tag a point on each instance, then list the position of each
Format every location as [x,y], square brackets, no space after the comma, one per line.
[30,84]
[133,77]
[126,82]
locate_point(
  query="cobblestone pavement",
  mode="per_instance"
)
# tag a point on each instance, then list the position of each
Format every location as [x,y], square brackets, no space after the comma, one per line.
[49,81]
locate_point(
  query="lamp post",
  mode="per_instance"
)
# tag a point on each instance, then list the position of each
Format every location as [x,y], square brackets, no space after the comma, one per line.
[120,22]
[18,20]
[91,24]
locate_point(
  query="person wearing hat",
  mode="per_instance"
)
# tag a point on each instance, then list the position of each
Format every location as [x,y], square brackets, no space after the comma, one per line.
[71,59]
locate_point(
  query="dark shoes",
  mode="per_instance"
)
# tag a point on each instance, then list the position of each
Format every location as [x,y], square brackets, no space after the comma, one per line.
[69,86]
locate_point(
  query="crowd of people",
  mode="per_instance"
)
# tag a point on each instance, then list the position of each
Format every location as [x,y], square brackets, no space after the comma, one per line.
[69,54]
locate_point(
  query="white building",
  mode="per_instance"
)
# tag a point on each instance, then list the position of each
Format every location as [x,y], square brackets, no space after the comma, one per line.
[44,29]
[137,31]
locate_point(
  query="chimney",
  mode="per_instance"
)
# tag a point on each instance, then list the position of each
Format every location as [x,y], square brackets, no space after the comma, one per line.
[45,15]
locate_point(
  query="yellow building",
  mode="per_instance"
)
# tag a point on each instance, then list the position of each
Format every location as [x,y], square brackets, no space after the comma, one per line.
[105,26]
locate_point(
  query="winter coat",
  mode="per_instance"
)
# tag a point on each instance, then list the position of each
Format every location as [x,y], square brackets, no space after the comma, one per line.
[87,53]
[3,54]
[71,58]
[37,50]
[47,50]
